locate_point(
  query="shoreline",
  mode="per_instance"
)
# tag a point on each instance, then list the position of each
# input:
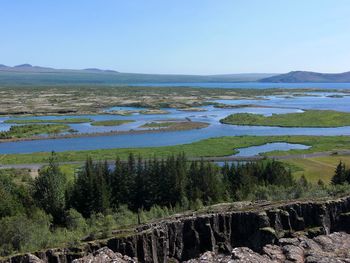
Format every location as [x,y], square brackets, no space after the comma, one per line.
[189,125]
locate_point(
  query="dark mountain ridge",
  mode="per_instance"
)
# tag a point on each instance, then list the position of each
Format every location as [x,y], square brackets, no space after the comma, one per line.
[309,76]
[27,74]
[37,75]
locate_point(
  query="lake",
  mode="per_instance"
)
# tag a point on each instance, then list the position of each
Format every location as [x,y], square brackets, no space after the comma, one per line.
[211,115]
[247,85]
[269,147]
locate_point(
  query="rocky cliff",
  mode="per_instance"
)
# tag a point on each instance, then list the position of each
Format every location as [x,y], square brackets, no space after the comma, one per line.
[321,249]
[221,229]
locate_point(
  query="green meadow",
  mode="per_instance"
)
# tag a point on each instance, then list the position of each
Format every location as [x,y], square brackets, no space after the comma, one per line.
[220,146]
[310,118]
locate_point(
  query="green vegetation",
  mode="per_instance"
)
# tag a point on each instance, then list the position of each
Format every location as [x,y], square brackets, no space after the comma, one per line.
[310,118]
[53,211]
[176,125]
[153,111]
[341,175]
[25,131]
[158,124]
[110,122]
[193,109]
[49,190]
[316,168]
[31,121]
[220,146]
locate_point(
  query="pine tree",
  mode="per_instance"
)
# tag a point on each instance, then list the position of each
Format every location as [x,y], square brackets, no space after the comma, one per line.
[181,178]
[82,198]
[102,191]
[140,187]
[129,178]
[339,175]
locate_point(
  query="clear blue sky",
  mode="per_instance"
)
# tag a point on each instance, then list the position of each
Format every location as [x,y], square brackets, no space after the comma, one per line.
[178,36]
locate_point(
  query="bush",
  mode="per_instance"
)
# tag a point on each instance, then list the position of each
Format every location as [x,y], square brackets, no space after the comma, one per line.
[197,204]
[20,233]
[75,221]
[124,216]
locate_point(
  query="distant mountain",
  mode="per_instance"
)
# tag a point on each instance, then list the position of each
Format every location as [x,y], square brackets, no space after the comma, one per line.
[100,70]
[308,76]
[27,74]
[25,68]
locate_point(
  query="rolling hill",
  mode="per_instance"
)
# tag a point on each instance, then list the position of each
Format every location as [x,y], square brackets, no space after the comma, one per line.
[27,74]
[308,76]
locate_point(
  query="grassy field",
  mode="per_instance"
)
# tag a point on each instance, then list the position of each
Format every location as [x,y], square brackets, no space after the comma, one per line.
[220,146]
[310,118]
[110,122]
[316,168]
[28,130]
[32,121]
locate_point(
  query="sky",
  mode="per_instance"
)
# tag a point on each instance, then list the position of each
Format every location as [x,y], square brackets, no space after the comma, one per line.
[178,36]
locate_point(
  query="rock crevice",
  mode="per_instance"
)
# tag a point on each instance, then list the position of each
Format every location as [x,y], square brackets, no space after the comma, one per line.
[187,237]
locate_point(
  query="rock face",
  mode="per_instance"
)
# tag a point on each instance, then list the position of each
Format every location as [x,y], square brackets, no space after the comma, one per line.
[29,258]
[322,249]
[253,226]
[105,255]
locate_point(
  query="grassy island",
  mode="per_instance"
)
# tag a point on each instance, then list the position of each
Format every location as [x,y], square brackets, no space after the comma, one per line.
[175,125]
[310,118]
[153,112]
[29,130]
[159,124]
[110,122]
[32,121]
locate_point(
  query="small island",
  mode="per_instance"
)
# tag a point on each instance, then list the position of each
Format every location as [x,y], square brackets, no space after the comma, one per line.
[29,130]
[110,122]
[32,121]
[310,118]
[153,112]
[175,125]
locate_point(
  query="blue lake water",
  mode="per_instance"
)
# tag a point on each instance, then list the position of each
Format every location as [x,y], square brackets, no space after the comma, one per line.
[211,115]
[248,85]
[319,102]
[269,147]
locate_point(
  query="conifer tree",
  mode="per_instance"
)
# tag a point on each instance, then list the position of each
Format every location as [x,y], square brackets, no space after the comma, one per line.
[82,198]
[339,175]
[102,190]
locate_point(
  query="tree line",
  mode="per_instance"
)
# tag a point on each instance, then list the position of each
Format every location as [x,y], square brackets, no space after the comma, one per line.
[141,184]
[55,208]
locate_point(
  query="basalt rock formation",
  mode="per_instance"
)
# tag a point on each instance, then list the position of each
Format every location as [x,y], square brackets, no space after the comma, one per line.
[105,255]
[221,229]
[321,249]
